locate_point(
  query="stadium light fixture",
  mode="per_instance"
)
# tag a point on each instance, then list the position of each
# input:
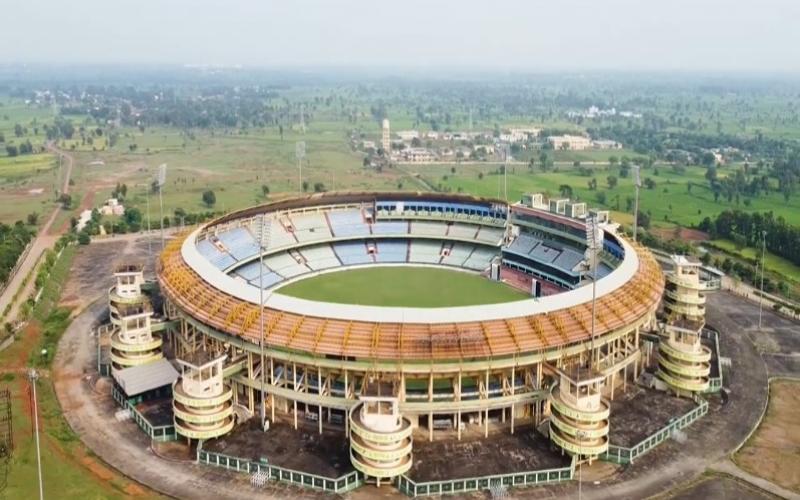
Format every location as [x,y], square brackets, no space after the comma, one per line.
[264,230]
[300,154]
[763,266]
[637,183]
[594,243]
[161,180]
[33,376]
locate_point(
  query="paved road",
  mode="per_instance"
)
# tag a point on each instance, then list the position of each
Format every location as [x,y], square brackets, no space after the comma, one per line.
[41,242]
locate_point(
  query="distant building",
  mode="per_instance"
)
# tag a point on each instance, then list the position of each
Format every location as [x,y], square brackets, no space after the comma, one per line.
[408,135]
[112,206]
[570,142]
[519,135]
[417,155]
[606,144]
[386,138]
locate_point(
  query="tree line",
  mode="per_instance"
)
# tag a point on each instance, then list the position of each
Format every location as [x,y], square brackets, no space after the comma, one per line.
[746,229]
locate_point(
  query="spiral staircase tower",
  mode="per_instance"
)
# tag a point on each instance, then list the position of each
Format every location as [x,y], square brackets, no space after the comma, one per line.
[684,297]
[579,420]
[202,402]
[132,340]
[380,438]
[684,363]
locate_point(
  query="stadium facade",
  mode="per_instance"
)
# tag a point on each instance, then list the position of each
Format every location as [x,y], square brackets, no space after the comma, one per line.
[383,374]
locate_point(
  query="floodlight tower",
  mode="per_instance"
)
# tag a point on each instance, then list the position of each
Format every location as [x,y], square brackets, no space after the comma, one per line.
[149,236]
[300,153]
[264,232]
[162,178]
[637,183]
[507,155]
[32,377]
[302,119]
[763,266]
[594,243]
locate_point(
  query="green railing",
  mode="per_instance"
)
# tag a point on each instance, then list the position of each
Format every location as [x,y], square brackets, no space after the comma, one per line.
[156,432]
[460,486]
[340,484]
[714,383]
[623,455]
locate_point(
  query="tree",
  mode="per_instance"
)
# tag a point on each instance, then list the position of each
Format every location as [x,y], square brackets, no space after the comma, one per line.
[319,187]
[612,181]
[565,190]
[649,183]
[644,220]
[33,218]
[264,190]
[209,198]
[480,176]
[601,197]
[83,238]
[2,137]
[18,131]
[65,200]
[133,218]
[12,150]
[711,174]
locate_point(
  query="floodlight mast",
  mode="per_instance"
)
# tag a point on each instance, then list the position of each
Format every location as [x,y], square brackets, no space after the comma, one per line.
[507,151]
[264,229]
[637,183]
[594,242]
[300,154]
[162,178]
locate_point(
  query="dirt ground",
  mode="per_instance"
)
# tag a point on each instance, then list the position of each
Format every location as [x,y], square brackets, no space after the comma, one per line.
[774,450]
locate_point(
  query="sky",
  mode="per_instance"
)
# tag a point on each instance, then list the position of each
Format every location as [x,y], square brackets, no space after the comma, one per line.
[755,36]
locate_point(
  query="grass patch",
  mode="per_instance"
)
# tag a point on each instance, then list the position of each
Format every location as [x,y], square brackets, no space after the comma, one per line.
[773,452]
[53,327]
[783,267]
[403,287]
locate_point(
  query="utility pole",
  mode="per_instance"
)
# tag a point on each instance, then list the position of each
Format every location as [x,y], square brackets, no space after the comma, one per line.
[264,230]
[505,172]
[162,178]
[594,242]
[32,376]
[300,153]
[580,435]
[149,234]
[637,183]
[763,265]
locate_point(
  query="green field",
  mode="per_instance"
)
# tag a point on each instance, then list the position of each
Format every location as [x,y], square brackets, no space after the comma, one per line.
[670,202]
[403,287]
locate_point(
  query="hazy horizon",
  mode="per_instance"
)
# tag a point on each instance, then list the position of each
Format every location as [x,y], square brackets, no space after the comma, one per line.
[515,36]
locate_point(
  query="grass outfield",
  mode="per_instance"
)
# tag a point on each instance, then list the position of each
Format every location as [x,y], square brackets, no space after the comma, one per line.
[403,287]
